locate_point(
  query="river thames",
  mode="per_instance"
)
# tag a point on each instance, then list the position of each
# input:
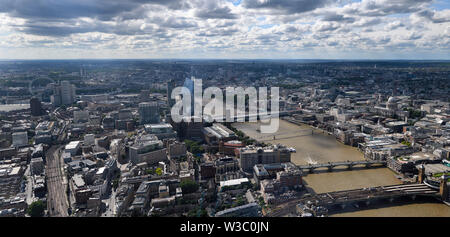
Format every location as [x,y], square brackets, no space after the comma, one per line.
[320,147]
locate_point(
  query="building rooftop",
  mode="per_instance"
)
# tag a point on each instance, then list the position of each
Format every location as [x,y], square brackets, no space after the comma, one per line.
[72,145]
[233,182]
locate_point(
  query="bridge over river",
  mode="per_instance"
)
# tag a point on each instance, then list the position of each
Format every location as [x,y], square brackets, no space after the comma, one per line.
[355,196]
[369,194]
[348,164]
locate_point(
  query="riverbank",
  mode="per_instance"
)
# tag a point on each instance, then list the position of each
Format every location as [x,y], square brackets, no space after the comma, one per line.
[323,148]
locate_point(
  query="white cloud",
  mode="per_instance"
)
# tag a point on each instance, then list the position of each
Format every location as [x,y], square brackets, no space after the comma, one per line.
[207,28]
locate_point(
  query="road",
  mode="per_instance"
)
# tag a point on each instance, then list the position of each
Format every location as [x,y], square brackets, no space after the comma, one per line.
[111,209]
[57,203]
[29,186]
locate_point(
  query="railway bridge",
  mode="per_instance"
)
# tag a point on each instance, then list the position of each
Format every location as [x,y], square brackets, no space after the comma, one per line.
[343,198]
[356,196]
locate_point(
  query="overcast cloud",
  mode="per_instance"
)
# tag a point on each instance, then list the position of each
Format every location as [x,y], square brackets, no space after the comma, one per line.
[410,29]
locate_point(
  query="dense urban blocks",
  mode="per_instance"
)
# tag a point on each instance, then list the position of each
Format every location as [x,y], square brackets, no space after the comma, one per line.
[99,138]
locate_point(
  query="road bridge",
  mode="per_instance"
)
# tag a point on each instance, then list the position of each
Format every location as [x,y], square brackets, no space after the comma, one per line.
[348,164]
[246,117]
[280,136]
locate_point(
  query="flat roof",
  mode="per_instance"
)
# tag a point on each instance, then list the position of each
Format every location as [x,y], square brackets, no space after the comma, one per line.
[72,145]
[101,170]
[233,182]
[164,125]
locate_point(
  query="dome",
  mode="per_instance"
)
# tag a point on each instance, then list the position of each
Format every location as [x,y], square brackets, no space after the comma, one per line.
[392,103]
[392,100]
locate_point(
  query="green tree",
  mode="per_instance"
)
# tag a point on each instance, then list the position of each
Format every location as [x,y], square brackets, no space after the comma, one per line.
[188,186]
[36,209]
[194,147]
[158,171]
[197,212]
[406,143]
[115,184]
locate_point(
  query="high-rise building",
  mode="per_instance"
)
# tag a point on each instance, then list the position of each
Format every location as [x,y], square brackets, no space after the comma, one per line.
[144,96]
[189,85]
[170,87]
[36,107]
[63,94]
[148,113]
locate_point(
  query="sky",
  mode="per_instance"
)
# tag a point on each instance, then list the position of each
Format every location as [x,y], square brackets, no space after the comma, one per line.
[225,29]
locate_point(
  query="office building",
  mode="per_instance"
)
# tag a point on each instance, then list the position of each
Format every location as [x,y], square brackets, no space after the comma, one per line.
[80,116]
[36,107]
[251,155]
[162,131]
[147,148]
[170,87]
[19,139]
[148,113]
[63,94]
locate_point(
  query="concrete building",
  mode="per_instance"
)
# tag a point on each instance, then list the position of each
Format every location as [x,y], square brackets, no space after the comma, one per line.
[108,122]
[287,174]
[89,139]
[176,150]
[234,182]
[20,139]
[63,94]
[251,155]
[80,116]
[162,131]
[147,149]
[117,149]
[407,164]
[384,148]
[37,166]
[11,177]
[125,114]
[73,147]
[149,113]
[218,133]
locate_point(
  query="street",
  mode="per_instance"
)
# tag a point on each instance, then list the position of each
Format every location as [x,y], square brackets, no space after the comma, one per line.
[111,205]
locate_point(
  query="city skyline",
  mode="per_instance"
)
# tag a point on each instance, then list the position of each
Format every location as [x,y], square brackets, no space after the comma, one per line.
[225,108]
[101,138]
[245,29]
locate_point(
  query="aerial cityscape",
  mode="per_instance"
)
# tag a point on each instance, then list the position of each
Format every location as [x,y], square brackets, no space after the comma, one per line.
[96,138]
[318,109]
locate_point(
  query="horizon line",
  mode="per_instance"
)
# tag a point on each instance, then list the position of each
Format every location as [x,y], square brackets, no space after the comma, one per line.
[237,59]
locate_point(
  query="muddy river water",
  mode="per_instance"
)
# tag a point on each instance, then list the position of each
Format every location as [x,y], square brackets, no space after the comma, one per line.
[319,147]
